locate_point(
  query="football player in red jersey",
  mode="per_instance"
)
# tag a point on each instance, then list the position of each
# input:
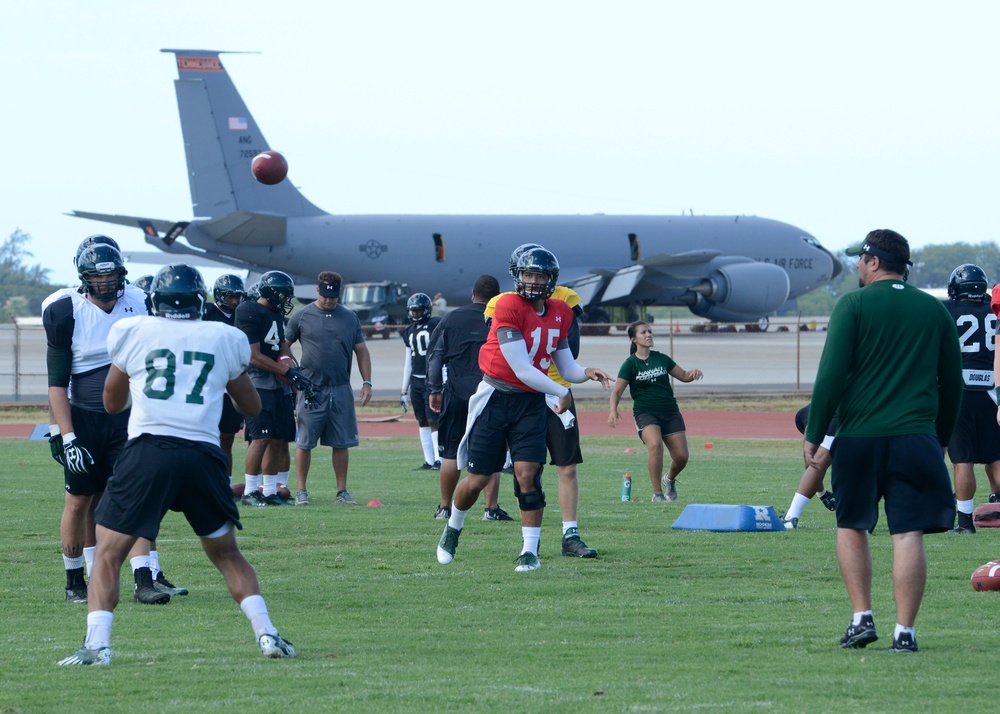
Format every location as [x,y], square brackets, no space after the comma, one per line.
[529,332]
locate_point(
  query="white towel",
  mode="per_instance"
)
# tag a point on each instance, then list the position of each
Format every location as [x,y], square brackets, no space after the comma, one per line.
[566,417]
[477,402]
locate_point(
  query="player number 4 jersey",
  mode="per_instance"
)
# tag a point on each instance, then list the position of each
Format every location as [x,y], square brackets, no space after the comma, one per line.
[178,372]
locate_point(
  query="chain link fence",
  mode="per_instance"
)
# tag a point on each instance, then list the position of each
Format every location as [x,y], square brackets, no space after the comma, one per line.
[734,357]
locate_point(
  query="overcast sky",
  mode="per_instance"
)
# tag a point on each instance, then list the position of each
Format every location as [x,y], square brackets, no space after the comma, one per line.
[834,117]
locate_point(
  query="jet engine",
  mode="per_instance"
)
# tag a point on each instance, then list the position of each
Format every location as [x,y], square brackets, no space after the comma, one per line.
[737,292]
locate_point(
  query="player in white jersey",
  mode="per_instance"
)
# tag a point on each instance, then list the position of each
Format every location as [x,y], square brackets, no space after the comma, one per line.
[174,369]
[86,440]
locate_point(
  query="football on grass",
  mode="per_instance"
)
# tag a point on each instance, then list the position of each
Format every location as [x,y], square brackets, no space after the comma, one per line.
[269,167]
[987,577]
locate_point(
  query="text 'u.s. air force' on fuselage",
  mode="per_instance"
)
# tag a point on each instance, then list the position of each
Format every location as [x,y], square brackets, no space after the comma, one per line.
[726,268]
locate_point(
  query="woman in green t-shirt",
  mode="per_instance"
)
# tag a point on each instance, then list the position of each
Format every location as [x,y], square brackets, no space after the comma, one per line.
[647,374]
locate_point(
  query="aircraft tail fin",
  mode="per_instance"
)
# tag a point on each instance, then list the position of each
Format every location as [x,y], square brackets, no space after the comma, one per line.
[221,139]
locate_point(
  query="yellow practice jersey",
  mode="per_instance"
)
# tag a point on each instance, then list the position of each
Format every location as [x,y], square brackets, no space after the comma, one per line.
[568,296]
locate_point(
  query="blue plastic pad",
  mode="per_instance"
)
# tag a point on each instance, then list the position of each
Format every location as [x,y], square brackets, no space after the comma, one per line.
[725,518]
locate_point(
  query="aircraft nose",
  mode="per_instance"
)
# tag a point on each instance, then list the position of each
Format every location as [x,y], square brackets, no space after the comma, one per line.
[837,268]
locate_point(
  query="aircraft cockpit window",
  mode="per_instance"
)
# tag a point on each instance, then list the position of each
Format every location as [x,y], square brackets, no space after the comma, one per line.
[634,249]
[439,252]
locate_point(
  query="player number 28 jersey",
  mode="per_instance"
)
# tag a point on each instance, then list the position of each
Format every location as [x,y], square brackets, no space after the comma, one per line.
[977,326]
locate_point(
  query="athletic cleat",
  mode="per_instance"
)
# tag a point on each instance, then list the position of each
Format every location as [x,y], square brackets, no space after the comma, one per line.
[573,546]
[526,562]
[858,636]
[274,500]
[77,594]
[669,488]
[83,656]
[496,514]
[965,524]
[437,465]
[829,500]
[906,642]
[161,584]
[443,513]
[963,530]
[659,498]
[791,524]
[509,470]
[447,545]
[275,646]
[424,467]
[302,497]
[253,499]
[148,595]
[344,499]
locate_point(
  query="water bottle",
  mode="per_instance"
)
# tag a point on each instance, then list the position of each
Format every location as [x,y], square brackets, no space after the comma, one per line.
[626,488]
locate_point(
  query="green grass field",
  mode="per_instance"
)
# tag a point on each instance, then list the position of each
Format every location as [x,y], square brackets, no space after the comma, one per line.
[663,620]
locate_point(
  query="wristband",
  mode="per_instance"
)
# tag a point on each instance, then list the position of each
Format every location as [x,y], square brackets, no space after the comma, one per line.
[366,382]
[53,430]
[69,437]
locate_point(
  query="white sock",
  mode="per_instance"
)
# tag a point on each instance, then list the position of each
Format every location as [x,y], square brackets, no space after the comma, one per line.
[530,536]
[139,561]
[966,506]
[98,629]
[900,630]
[799,502]
[457,518]
[859,615]
[507,462]
[426,445]
[283,478]
[88,558]
[434,446]
[252,483]
[154,563]
[256,611]
[567,525]
[73,563]
[270,484]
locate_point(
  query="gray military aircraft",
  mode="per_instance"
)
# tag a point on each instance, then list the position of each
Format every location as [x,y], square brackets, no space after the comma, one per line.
[725,268]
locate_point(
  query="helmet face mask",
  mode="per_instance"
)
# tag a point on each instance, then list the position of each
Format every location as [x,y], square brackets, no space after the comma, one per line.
[418,308]
[278,289]
[102,272]
[228,286]
[968,281]
[538,261]
[178,293]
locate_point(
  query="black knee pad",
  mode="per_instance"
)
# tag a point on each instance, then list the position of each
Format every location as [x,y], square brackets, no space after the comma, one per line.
[534,501]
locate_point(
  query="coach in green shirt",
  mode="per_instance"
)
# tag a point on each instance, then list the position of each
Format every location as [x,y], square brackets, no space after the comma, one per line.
[892,371]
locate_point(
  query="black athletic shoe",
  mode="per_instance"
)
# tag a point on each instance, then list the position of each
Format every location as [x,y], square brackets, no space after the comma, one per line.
[424,467]
[165,586]
[906,642]
[443,513]
[77,594]
[829,500]
[496,514]
[965,524]
[252,499]
[144,591]
[275,500]
[858,636]
[574,547]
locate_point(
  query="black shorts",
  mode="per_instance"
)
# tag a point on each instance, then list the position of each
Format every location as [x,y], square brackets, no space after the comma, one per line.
[419,400]
[159,473]
[103,435]
[907,472]
[451,423]
[515,421]
[276,419]
[231,420]
[976,439]
[563,444]
[668,423]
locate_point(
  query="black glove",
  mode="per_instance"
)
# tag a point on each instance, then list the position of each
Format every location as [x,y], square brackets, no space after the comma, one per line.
[303,384]
[56,447]
[78,459]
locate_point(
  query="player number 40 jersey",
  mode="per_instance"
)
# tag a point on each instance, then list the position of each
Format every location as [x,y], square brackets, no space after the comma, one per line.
[543,335]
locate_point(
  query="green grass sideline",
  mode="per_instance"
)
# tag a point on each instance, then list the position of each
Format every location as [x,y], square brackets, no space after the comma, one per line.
[663,621]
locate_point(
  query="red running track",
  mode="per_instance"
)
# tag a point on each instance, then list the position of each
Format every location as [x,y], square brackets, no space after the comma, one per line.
[702,424]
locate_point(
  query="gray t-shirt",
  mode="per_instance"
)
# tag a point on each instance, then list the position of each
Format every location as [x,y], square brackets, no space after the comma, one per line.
[327,340]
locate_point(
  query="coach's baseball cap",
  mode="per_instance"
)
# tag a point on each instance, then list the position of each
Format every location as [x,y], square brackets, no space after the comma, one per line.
[866,247]
[329,291]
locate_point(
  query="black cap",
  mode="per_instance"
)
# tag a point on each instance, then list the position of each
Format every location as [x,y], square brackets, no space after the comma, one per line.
[328,291]
[866,247]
